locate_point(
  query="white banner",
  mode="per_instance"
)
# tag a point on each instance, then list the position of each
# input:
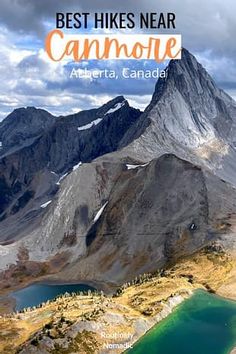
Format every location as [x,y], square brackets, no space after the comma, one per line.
[60,46]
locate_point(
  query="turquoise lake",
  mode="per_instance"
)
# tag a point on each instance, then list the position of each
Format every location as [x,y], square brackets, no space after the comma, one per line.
[203,324]
[35,294]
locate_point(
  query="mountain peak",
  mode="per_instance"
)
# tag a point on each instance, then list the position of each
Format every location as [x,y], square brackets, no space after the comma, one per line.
[28,112]
[27,109]
[113,105]
[116,100]
[186,55]
[31,108]
[189,65]
[187,107]
[23,124]
[193,83]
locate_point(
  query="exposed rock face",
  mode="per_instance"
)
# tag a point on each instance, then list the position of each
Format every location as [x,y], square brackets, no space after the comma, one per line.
[22,126]
[31,172]
[188,107]
[188,116]
[118,221]
[153,217]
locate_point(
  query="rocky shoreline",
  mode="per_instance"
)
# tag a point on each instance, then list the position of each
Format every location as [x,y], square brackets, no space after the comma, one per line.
[104,322]
[126,327]
[168,308]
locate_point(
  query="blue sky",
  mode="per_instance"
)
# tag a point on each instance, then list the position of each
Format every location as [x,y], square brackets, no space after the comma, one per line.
[28,78]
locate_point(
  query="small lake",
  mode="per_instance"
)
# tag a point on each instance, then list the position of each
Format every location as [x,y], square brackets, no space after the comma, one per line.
[203,324]
[35,294]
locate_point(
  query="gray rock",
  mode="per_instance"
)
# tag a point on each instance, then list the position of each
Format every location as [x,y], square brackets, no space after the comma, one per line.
[178,197]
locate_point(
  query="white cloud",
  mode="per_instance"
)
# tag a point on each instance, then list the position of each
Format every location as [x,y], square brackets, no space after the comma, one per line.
[28,77]
[139,102]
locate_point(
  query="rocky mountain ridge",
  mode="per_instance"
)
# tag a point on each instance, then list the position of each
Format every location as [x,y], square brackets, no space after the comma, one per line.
[188,116]
[152,187]
[30,174]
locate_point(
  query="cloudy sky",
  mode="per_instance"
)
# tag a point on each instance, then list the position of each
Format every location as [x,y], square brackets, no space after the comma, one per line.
[28,78]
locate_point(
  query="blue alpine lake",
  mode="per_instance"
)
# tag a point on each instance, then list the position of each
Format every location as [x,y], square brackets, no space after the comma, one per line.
[202,324]
[35,294]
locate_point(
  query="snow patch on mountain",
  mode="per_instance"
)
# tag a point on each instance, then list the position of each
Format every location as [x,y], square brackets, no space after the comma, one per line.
[77,166]
[98,120]
[90,125]
[116,107]
[45,204]
[132,167]
[61,178]
[99,213]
